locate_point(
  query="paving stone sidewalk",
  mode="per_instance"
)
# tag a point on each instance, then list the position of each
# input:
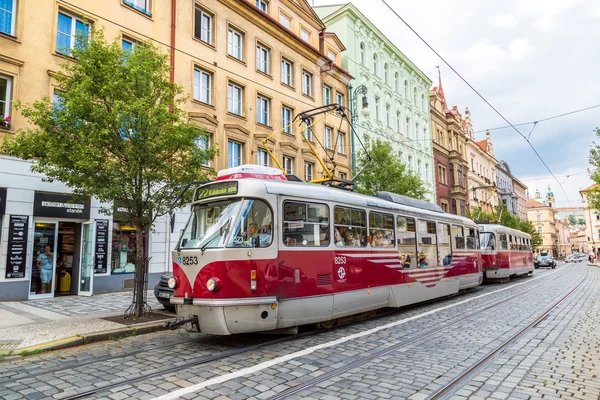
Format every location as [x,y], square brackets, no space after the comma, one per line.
[29,323]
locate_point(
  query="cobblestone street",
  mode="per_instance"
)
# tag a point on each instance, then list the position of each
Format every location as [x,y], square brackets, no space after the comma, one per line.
[417,350]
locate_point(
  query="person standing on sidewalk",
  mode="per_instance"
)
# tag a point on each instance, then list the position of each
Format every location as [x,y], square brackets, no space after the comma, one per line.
[45,261]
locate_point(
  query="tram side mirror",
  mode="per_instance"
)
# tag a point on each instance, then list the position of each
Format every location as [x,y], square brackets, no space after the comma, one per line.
[172,222]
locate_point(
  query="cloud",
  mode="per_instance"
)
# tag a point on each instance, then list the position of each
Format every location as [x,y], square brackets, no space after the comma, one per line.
[505,21]
[519,48]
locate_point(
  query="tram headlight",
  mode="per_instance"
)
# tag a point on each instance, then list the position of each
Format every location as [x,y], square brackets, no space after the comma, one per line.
[213,284]
[172,283]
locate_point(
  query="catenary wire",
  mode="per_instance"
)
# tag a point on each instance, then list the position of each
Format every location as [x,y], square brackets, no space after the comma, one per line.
[478,94]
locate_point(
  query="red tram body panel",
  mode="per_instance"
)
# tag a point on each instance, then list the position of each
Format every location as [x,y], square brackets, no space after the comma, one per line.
[268,254]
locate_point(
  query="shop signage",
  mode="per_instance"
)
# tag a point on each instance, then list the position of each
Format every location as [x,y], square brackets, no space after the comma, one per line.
[101,246]
[60,206]
[216,189]
[16,256]
[2,200]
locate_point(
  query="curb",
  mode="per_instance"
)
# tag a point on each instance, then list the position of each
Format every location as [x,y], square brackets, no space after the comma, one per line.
[80,340]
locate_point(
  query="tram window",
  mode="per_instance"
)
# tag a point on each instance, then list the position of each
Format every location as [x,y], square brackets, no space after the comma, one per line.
[487,241]
[511,242]
[305,224]
[407,241]
[471,237]
[503,242]
[427,244]
[209,225]
[381,229]
[458,237]
[254,227]
[350,227]
[444,244]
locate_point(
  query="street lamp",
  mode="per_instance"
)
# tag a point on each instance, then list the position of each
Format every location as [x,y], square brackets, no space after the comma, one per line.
[360,90]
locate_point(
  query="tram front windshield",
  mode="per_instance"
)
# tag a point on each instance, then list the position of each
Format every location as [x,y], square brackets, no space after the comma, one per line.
[210,224]
[487,241]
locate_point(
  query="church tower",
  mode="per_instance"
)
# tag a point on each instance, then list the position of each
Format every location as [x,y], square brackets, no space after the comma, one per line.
[550,198]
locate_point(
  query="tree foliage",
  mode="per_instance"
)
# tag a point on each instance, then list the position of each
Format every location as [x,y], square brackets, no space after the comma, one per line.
[593,195]
[386,172]
[572,220]
[117,133]
[504,217]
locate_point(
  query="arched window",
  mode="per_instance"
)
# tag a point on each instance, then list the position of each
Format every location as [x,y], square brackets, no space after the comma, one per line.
[375,63]
[362,53]
[415,96]
[406,89]
[386,73]
[397,82]
[423,102]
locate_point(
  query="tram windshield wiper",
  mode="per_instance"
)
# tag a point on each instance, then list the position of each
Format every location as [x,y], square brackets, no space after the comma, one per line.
[222,233]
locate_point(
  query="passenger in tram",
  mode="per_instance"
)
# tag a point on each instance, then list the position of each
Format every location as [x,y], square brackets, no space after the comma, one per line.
[350,241]
[423,260]
[338,238]
[406,262]
[379,240]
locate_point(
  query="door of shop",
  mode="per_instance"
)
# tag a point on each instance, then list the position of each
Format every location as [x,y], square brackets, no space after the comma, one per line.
[43,265]
[86,270]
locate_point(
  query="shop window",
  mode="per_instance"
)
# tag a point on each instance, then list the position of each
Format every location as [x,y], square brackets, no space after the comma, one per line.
[381,230]
[124,250]
[305,224]
[407,241]
[350,227]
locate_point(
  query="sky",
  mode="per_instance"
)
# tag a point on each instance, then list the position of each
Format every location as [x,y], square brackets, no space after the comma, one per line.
[531,59]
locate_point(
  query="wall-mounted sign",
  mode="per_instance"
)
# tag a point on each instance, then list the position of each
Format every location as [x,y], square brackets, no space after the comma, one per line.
[2,201]
[100,260]
[216,189]
[16,256]
[60,206]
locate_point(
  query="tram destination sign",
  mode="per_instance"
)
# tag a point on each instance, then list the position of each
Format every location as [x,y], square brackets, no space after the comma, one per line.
[101,246]
[216,189]
[60,206]
[16,256]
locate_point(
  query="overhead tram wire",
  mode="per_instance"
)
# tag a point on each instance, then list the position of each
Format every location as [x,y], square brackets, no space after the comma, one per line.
[478,94]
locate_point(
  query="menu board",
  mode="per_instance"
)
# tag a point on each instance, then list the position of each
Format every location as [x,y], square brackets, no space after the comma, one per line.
[16,256]
[100,261]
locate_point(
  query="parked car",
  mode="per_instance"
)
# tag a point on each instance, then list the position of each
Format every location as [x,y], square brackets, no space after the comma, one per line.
[163,292]
[544,259]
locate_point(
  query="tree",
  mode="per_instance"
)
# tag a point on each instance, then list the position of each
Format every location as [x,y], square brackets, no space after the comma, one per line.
[572,220]
[504,217]
[386,172]
[118,134]
[593,195]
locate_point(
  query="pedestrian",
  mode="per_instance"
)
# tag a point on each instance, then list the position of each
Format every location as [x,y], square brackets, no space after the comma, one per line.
[45,261]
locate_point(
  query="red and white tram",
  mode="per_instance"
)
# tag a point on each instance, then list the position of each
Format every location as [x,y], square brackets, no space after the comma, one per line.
[505,252]
[268,254]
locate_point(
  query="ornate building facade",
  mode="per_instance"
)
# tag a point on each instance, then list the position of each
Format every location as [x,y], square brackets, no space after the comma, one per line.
[520,191]
[396,90]
[450,135]
[482,174]
[504,187]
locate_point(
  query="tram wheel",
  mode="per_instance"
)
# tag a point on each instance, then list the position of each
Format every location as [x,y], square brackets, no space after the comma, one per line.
[327,324]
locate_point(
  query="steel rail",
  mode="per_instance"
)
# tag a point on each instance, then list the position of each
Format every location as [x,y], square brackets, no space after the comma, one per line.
[337,371]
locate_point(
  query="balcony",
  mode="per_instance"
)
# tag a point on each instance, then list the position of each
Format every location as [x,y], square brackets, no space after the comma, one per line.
[457,190]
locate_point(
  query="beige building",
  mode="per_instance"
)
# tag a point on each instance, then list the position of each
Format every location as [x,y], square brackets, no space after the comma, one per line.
[592,221]
[520,191]
[482,174]
[563,233]
[543,216]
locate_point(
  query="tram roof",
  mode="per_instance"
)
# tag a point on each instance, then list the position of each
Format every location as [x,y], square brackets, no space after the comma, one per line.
[398,203]
[502,228]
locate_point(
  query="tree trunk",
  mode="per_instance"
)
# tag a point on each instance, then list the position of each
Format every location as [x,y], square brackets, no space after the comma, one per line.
[140,270]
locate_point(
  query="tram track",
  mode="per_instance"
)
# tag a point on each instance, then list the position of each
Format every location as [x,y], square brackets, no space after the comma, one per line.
[454,385]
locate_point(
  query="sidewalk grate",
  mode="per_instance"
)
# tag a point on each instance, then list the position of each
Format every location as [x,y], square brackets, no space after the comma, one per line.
[9,344]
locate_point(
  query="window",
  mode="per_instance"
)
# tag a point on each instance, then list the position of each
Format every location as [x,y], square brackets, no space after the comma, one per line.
[472,242]
[234,154]
[539,228]
[538,217]
[305,35]
[386,73]
[262,157]
[328,138]
[286,72]
[263,56]
[444,244]
[442,175]
[427,244]
[203,143]
[339,99]
[406,125]
[262,110]
[308,171]
[66,34]
[308,134]
[5,93]
[254,228]
[444,206]
[423,102]
[331,55]
[410,166]
[326,95]
[381,230]
[375,63]
[503,243]
[377,108]
[406,89]
[123,246]
[7,16]
[285,20]
[417,131]
[388,115]
[286,120]
[306,83]
[234,99]
[415,96]
[202,86]
[141,5]
[458,237]
[407,241]
[350,227]
[426,172]
[203,26]
[396,82]
[234,43]
[288,165]
[341,142]
[263,5]
[419,167]
[362,53]
[343,175]
[126,44]
[305,224]
[398,118]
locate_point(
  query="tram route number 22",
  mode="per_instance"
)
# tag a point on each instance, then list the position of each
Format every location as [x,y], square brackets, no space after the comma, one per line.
[189,260]
[339,260]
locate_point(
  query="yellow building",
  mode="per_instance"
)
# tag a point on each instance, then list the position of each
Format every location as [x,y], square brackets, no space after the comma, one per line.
[482,174]
[543,216]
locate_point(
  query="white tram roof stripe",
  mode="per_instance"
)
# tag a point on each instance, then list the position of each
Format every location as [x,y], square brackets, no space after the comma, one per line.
[431,275]
[386,260]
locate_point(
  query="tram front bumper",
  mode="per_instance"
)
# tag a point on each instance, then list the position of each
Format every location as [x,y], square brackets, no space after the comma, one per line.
[230,316]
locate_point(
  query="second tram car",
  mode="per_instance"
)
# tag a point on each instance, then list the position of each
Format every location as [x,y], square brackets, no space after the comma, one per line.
[268,254]
[505,252]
